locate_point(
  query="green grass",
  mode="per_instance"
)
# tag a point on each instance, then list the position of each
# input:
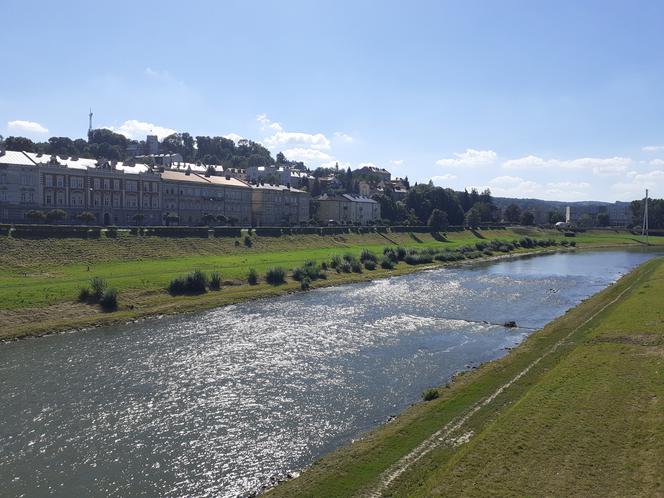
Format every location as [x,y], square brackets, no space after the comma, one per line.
[45,276]
[586,419]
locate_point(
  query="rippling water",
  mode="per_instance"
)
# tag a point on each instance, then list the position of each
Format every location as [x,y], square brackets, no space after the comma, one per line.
[217,403]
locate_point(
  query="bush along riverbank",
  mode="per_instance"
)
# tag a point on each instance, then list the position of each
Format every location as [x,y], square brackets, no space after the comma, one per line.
[571,411]
[38,290]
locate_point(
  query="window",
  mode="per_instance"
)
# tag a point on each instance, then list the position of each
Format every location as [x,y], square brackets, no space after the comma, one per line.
[155,187]
[107,184]
[49,199]
[60,181]
[146,187]
[130,186]
[49,180]
[76,182]
[22,196]
[116,184]
[3,195]
[97,184]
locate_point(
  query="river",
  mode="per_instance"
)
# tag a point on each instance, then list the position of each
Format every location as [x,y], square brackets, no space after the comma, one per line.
[219,402]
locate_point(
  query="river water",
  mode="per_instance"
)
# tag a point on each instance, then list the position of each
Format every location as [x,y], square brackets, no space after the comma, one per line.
[217,403]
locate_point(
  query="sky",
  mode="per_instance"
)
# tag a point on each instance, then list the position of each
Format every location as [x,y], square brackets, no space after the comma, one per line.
[559,100]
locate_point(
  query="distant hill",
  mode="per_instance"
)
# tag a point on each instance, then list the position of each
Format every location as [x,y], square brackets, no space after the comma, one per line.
[619,212]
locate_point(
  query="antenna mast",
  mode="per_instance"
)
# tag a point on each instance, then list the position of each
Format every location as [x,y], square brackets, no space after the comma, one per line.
[90,121]
[644,231]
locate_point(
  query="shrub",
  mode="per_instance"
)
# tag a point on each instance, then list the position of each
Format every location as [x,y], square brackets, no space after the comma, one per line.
[430,394]
[400,253]
[336,261]
[418,259]
[345,267]
[572,243]
[109,300]
[215,281]
[305,284]
[324,265]
[84,295]
[275,276]
[252,277]
[349,257]
[247,241]
[356,266]
[98,286]
[386,264]
[370,265]
[367,255]
[193,283]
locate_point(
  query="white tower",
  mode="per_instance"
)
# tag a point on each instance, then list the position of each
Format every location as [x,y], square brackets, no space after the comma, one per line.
[644,231]
[568,215]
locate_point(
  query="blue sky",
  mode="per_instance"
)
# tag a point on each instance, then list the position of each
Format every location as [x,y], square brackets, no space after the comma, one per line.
[556,100]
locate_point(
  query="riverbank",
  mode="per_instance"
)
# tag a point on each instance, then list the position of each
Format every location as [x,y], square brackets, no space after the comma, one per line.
[41,278]
[576,409]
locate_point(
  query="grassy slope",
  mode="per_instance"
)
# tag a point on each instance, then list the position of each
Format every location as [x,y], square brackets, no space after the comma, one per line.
[40,279]
[588,419]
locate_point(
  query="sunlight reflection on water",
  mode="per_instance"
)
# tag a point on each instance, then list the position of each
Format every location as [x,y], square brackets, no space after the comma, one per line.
[217,403]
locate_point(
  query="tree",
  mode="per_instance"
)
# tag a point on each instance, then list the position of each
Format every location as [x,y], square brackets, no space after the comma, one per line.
[138,218]
[555,217]
[513,213]
[171,218]
[527,218]
[36,216]
[86,217]
[209,219]
[221,219]
[586,220]
[316,188]
[348,180]
[55,215]
[281,159]
[438,220]
[603,220]
[473,217]
[19,144]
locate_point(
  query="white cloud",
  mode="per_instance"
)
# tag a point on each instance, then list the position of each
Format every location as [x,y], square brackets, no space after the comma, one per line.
[396,162]
[471,157]
[599,166]
[343,137]
[652,148]
[26,126]
[635,188]
[137,130]
[267,124]
[657,163]
[516,186]
[442,180]
[316,141]
[367,164]
[303,154]
[234,137]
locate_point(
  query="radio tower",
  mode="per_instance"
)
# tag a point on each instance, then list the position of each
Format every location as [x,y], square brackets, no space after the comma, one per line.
[90,121]
[644,231]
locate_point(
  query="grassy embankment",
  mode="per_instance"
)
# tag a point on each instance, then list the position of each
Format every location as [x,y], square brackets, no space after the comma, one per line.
[40,279]
[576,410]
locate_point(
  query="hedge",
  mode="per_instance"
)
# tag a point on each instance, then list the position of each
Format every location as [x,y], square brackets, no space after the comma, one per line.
[55,231]
[199,232]
[227,231]
[268,231]
[333,230]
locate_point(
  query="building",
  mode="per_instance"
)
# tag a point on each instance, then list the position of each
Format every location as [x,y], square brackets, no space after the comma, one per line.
[113,192]
[278,205]
[152,144]
[380,173]
[117,193]
[165,160]
[190,196]
[348,209]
